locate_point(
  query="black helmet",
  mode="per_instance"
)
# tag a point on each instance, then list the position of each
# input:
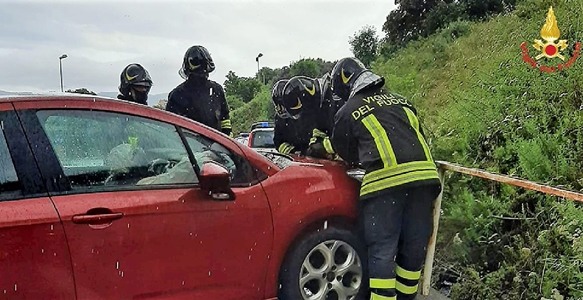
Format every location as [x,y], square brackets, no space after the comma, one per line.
[134,75]
[197,61]
[344,74]
[298,92]
[277,98]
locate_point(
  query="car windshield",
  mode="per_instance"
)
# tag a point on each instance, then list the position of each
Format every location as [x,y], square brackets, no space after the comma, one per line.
[263,139]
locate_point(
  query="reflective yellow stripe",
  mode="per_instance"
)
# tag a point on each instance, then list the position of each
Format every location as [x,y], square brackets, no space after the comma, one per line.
[381,140]
[285,148]
[328,145]
[374,296]
[226,123]
[281,148]
[415,123]
[398,180]
[399,169]
[405,289]
[410,275]
[377,283]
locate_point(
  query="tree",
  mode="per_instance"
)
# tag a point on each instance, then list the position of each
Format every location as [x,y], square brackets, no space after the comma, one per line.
[364,44]
[243,87]
[267,76]
[82,91]
[421,18]
[234,102]
[406,22]
[305,67]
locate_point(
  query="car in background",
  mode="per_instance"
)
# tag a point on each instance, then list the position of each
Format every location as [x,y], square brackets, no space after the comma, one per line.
[261,136]
[107,199]
[243,138]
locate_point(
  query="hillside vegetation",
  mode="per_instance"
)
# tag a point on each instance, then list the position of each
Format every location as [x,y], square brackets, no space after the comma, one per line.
[484,107]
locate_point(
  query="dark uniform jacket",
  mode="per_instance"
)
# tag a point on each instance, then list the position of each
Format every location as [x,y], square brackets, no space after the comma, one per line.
[329,106]
[201,100]
[381,131]
[292,135]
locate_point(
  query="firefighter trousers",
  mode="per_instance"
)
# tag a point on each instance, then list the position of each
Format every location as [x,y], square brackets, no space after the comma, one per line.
[397,226]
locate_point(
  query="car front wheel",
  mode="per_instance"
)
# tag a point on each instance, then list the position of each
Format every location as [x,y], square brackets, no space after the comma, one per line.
[326,264]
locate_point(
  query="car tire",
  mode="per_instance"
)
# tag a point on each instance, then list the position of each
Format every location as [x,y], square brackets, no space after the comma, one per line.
[325,264]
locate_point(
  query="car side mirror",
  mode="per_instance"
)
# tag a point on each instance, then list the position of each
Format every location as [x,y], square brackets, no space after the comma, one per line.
[216,180]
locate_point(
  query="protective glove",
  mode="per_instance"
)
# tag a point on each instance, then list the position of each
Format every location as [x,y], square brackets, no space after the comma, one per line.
[321,138]
[320,146]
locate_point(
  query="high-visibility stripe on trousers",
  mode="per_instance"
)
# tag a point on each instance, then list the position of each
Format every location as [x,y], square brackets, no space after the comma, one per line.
[396,227]
[383,289]
[407,282]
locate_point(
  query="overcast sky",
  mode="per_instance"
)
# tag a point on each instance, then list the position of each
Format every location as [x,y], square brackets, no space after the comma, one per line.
[102,37]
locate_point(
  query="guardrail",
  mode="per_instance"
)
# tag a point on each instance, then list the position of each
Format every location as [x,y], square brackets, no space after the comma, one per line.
[447,166]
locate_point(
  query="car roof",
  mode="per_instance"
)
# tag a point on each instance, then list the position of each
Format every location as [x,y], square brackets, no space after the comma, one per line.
[48,96]
[262,124]
[263,129]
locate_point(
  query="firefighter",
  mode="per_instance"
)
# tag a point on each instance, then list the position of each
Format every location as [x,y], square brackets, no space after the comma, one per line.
[305,128]
[284,125]
[320,145]
[199,98]
[380,131]
[135,84]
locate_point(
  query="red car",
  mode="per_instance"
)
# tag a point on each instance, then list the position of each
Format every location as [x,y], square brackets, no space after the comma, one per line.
[104,199]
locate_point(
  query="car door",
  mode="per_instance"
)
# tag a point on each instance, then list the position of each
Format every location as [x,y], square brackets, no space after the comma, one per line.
[34,257]
[137,223]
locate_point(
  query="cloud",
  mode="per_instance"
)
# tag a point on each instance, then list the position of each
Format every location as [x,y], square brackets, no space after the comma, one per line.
[102,37]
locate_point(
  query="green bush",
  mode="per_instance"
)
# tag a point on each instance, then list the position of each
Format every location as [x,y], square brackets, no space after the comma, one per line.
[483,106]
[258,109]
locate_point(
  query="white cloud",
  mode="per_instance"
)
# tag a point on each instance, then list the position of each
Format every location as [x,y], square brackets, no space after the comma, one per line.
[102,37]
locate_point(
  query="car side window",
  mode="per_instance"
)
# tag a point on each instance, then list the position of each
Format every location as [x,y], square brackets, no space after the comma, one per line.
[108,151]
[205,149]
[10,186]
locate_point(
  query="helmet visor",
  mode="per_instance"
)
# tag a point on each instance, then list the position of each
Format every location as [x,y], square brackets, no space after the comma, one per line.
[281,112]
[296,115]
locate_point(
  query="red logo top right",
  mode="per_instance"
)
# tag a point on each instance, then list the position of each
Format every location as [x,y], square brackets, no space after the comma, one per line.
[550,47]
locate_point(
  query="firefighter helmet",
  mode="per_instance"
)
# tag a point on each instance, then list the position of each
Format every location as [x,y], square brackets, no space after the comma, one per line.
[301,91]
[344,74]
[197,61]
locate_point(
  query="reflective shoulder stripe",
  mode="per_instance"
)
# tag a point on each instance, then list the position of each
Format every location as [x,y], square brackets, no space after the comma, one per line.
[377,283]
[410,275]
[415,124]
[405,289]
[381,140]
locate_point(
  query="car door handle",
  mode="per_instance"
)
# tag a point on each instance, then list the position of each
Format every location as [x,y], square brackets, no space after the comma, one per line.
[96,219]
